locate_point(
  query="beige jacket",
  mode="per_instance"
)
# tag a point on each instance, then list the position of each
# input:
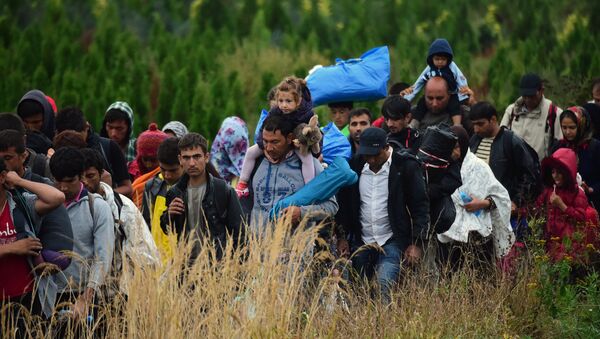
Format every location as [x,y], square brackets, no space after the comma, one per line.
[531,126]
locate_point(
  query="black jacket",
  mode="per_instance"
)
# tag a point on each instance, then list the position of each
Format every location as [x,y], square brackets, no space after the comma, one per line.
[513,167]
[407,192]
[408,138]
[221,209]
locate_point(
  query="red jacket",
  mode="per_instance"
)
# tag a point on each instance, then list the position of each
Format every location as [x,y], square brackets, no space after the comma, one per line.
[573,231]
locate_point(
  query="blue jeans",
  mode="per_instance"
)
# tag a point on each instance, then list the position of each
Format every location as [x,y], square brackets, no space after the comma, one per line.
[386,266]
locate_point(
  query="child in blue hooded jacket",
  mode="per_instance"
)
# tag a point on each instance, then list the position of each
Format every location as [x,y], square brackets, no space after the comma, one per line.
[439,63]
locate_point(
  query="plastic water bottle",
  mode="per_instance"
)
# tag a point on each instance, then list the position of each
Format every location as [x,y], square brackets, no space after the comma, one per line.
[467,199]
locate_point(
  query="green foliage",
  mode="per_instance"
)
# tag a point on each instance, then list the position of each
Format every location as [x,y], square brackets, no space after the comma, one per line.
[201,60]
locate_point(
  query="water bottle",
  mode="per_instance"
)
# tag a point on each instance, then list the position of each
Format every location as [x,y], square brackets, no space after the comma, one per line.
[467,199]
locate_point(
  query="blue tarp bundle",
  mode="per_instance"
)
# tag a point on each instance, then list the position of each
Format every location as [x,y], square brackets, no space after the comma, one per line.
[361,79]
[321,188]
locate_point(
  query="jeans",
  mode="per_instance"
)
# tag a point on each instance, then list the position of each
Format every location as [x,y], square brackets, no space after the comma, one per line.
[386,266]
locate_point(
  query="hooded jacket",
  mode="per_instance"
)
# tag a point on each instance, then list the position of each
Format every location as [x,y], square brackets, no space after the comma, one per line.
[39,97]
[565,231]
[273,182]
[123,107]
[451,72]
[588,152]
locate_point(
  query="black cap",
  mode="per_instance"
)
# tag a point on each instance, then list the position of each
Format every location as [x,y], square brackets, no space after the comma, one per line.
[372,140]
[530,84]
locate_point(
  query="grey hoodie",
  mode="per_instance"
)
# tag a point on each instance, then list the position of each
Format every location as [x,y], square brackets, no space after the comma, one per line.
[273,182]
[94,241]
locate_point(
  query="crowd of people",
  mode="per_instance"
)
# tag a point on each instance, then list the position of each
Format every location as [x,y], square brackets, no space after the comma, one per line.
[430,178]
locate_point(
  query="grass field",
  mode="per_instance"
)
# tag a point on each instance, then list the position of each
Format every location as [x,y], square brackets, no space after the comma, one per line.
[284,290]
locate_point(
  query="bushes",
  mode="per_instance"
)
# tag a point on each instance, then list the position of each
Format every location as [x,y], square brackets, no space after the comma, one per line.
[154,54]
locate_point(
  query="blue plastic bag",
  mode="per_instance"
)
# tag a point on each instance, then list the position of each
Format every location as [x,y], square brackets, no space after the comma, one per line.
[321,188]
[335,144]
[361,79]
[261,120]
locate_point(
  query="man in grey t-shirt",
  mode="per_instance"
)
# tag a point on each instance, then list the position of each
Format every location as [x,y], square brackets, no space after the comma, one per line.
[199,204]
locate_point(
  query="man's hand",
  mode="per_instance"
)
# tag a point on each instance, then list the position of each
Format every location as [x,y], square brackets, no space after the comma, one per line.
[295,211]
[176,207]
[12,180]
[343,248]
[476,204]
[556,201]
[413,254]
[27,246]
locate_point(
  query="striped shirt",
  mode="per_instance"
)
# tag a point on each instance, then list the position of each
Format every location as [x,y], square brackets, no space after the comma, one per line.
[484,149]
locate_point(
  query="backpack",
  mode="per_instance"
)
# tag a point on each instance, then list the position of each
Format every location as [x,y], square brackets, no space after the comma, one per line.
[117,264]
[538,186]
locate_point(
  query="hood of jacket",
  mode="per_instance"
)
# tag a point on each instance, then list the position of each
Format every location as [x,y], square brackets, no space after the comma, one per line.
[439,46]
[123,107]
[39,97]
[565,160]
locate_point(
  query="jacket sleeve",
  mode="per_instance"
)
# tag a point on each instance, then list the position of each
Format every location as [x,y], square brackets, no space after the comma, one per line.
[418,85]
[461,80]
[525,177]
[104,243]
[235,217]
[169,223]
[417,199]
[329,207]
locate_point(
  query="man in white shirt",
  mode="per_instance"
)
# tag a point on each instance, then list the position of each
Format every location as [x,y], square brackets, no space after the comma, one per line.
[387,208]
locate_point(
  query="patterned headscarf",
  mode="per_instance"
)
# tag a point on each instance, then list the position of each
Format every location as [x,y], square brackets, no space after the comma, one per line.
[584,130]
[229,148]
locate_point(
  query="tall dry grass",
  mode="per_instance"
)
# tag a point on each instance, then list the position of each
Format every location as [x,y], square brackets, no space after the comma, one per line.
[277,287]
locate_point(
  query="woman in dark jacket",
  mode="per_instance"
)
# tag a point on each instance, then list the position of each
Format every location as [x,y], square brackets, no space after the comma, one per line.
[577,132]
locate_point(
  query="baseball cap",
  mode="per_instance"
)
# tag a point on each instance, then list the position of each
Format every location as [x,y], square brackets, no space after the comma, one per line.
[372,140]
[530,84]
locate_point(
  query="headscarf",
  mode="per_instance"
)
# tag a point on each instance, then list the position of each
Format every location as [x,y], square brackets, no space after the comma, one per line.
[176,127]
[584,127]
[229,148]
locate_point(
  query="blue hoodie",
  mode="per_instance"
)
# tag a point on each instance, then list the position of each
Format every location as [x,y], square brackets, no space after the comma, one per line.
[451,72]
